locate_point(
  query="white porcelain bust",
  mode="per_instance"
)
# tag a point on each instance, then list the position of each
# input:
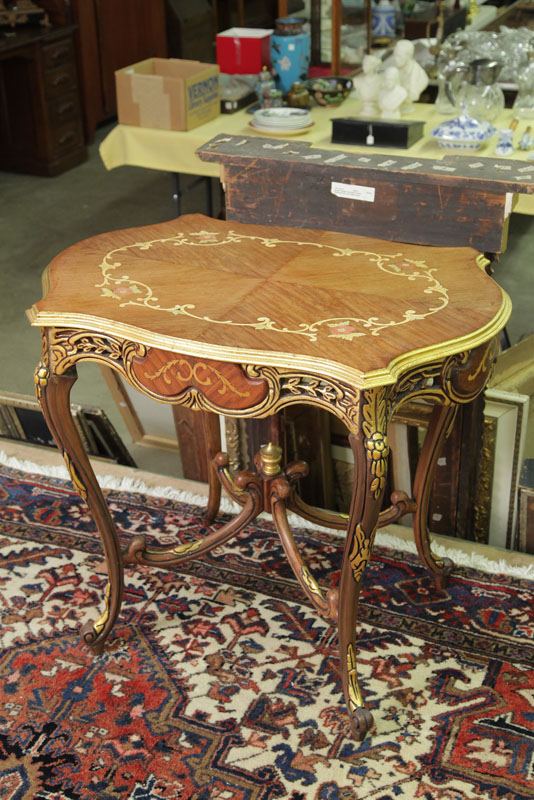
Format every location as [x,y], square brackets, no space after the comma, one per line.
[412,75]
[367,86]
[392,95]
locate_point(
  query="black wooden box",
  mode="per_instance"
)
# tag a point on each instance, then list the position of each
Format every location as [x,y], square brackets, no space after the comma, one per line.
[231,104]
[397,133]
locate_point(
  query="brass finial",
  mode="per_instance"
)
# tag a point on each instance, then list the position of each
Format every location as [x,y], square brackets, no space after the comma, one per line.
[271,455]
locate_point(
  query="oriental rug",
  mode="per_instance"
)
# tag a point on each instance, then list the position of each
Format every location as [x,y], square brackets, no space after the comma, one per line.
[220,682]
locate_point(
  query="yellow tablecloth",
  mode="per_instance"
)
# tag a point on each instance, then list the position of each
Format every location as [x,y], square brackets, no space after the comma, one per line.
[174,151]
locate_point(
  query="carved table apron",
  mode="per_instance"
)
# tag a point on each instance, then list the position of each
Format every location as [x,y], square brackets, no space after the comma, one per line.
[224,355]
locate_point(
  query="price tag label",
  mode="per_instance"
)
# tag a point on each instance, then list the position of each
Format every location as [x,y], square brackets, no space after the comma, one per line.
[353,191]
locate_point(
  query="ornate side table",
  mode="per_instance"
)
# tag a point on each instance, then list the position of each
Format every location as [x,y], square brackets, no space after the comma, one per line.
[242,320]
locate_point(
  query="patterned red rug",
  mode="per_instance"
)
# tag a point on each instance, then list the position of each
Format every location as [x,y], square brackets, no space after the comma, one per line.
[220,682]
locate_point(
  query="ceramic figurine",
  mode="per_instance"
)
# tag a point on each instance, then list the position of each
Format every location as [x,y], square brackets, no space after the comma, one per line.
[367,86]
[527,140]
[290,52]
[265,81]
[505,142]
[392,95]
[412,75]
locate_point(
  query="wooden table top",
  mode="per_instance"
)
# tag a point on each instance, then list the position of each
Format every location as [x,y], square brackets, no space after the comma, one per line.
[343,306]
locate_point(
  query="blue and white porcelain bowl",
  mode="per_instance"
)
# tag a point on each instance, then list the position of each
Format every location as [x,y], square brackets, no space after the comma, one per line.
[463,133]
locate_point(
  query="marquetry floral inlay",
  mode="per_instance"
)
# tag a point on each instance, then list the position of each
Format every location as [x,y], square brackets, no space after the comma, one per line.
[199,373]
[129,291]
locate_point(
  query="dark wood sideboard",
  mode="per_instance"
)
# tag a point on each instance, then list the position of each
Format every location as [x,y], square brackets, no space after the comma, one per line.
[41,129]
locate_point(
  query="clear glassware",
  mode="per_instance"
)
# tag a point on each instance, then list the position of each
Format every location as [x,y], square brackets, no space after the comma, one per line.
[448,63]
[479,95]
[524,102]
[508,46]
[473,88]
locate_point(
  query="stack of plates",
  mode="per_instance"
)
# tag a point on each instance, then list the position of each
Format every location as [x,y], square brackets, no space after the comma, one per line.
[281,121]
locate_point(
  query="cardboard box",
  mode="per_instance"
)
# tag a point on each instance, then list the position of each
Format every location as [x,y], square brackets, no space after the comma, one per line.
[244,51]
[168,93]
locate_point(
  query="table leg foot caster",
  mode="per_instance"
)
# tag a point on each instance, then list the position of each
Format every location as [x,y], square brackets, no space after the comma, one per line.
[94,634]
[361,722]
[446,567]
[92,639]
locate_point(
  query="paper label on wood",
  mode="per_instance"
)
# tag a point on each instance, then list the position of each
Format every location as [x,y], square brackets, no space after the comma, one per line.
[353,192]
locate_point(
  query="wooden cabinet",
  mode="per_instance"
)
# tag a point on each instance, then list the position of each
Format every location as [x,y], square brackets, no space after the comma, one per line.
[112,34]
[40,118]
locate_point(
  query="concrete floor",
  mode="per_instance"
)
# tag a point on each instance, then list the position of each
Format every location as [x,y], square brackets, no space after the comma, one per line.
[42,216]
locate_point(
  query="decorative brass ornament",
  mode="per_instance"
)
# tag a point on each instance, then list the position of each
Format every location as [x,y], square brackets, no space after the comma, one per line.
[271,456]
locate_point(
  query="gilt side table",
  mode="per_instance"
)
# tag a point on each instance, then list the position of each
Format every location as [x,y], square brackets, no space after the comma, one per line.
[243,320]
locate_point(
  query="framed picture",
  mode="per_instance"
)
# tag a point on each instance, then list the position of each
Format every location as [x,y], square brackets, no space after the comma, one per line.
[503,446]
[21,420]
[506,417]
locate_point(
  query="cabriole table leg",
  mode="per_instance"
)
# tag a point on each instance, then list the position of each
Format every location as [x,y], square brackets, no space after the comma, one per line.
[53,393]
[212,435]
[438,430]
[370,448]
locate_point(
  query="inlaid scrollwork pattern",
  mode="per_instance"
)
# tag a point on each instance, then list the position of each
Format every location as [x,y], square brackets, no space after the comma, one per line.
[131,290]
[201,372]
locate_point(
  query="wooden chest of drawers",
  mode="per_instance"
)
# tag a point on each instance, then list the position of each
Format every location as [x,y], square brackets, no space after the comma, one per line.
[40,118]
